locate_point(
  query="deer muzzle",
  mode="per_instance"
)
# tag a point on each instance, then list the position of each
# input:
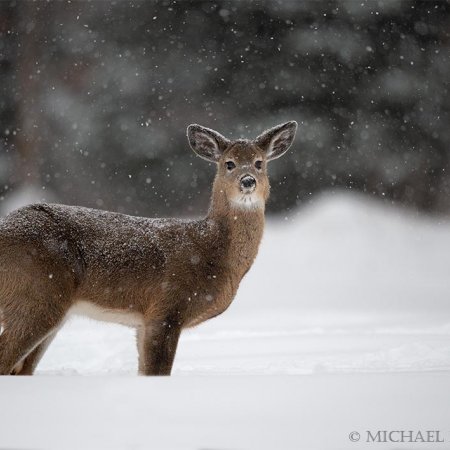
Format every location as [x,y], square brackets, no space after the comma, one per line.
[248,184]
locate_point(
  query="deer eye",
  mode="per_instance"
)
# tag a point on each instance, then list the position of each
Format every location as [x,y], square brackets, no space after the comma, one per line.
[230,165]
[258,165]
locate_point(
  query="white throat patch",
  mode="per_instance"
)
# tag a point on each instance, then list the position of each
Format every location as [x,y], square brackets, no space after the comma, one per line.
[248,201]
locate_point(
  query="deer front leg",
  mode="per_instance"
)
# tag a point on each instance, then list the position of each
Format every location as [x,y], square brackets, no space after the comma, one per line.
[157,344]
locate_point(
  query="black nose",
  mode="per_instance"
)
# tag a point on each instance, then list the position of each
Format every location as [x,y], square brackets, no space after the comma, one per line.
[248,182]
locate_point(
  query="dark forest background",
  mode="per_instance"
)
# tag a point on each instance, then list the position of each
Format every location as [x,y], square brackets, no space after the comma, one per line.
[95,98]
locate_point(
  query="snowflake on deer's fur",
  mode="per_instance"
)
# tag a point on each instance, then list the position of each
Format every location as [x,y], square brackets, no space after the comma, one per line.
[157,275]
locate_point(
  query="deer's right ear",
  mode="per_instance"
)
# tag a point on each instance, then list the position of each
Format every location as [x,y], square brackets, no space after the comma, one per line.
[207,143]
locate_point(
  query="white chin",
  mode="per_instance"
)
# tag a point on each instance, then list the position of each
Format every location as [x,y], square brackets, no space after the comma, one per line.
[248,201]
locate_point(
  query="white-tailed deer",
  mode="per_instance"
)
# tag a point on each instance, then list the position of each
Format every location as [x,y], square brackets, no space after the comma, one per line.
[157,275]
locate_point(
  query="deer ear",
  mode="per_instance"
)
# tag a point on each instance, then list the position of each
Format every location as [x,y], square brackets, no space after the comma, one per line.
[207,143]
[276,141]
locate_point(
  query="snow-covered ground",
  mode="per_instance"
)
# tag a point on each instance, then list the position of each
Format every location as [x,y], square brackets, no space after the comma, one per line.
[310,412]
[343,324]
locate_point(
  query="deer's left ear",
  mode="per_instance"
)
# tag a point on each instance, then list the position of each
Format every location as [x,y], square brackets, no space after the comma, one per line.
[277,140]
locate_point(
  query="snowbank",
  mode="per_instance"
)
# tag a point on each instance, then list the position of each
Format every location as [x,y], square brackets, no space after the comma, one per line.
[309,412]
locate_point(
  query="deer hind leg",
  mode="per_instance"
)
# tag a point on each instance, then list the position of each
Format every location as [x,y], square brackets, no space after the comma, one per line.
[26,333]
[36,288]
[28,365]
[13,350]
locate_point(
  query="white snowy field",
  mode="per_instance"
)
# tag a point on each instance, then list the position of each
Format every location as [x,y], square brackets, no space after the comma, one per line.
[310,412]
[343,324]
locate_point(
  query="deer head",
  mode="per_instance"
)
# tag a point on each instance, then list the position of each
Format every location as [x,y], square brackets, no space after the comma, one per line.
[241,181]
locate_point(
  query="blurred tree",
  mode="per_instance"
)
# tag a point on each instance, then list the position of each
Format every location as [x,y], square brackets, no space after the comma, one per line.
[99,95]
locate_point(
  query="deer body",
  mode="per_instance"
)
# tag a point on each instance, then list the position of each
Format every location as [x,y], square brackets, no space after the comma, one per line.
[157,275]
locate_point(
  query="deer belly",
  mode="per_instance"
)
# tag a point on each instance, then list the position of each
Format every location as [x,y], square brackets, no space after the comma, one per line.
[123,317]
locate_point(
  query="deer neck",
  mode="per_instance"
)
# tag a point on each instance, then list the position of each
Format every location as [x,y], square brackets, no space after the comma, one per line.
[242,230]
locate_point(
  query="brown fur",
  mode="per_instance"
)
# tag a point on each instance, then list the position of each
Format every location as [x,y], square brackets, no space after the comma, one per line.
[166,274]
